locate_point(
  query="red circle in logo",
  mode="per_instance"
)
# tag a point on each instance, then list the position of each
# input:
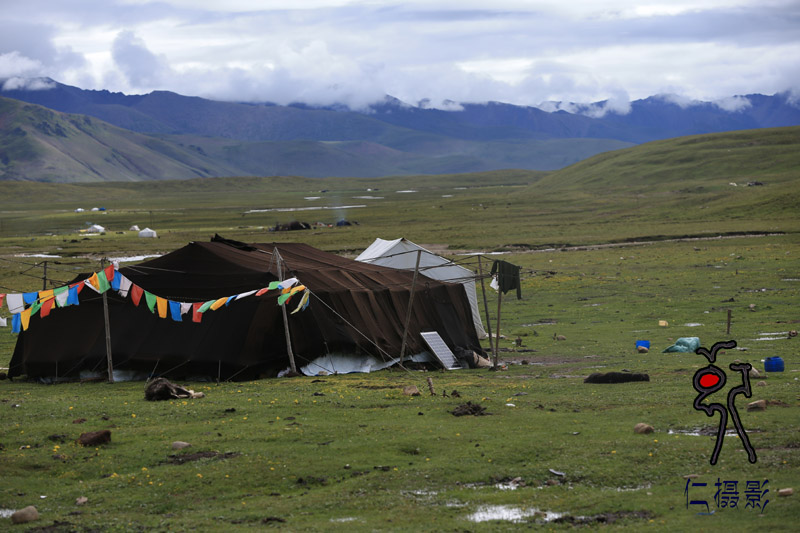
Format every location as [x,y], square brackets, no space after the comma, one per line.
[708,380]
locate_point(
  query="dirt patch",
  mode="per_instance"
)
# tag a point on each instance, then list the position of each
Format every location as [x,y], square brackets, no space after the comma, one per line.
[189,457]
[604,518]
[469,408]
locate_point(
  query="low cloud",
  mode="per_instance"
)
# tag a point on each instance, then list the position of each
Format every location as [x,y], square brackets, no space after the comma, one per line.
[142,68]
[16,65]
[733,104]
[28,84]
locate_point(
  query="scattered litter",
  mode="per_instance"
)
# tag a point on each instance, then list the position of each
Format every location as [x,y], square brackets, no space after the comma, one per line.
[684,345]
[6,513]
[557,473]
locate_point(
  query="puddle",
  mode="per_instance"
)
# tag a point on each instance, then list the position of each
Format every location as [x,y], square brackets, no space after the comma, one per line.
[692,324]
[510,513]
[345,519]
[407,191]
[42,256]
[311,197]
[704,432]
[791,279]
[633,489]
[6,513]
[368,197]
[289,209]
[130,258]
[447,196]
[770,339]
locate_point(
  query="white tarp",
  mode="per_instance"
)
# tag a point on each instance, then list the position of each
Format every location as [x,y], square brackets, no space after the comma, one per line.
[147,232]
[401,254]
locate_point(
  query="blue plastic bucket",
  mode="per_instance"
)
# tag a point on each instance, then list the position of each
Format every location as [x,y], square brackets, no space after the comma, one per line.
[645,344]
[773,364]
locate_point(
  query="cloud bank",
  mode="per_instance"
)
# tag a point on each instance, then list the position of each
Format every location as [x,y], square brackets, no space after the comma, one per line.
[354,52]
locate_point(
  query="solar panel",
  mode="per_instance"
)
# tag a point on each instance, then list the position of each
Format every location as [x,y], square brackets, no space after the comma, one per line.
[440,350]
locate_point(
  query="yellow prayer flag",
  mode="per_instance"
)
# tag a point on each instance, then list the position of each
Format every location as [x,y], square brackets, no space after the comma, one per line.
[219,303]
[161,304]
[25,317]
[46,295]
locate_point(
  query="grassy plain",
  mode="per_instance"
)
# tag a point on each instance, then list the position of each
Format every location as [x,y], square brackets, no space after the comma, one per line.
[608,250]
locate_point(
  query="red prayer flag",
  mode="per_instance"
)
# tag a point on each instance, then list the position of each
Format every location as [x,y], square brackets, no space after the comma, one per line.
[259,293]
[110,272]
[47,305]
[79,285]
[136,294]
[197,316]
[2,297]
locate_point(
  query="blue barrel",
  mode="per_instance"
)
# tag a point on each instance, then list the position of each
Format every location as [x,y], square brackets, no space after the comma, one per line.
[645,344]
[773,364]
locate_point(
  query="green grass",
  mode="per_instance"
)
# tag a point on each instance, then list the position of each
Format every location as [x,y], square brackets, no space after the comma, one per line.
[363,456]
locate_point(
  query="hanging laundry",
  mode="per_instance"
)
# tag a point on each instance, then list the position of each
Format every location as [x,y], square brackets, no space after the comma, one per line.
[507,277]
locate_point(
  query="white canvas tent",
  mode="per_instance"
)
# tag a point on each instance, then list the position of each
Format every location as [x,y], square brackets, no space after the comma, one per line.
[96,228]
[147,232]
[402,255]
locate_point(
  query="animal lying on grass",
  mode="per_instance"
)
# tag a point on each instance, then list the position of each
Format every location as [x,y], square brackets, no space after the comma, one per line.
[161,389]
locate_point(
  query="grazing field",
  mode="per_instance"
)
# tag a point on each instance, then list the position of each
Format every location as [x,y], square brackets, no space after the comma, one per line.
[608,249]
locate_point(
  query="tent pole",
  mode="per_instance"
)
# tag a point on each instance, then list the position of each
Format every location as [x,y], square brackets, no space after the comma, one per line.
[486,306]
[497,343]
[108,332]
[292,365]
[410,305]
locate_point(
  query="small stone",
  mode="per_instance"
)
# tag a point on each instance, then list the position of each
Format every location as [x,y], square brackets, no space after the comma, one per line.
[754,373]
[28,514]
[642,428]
[561,338]
[411,390]
[786,492]
[552,482]
[752,307]
[758,405]
[761,384]
[79,421]
[179,445]
[691,476]
[642,349]
[793,333]
[95,438]
[81,500]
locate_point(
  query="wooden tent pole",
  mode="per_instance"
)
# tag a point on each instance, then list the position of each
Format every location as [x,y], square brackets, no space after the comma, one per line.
[410,306]
[486,306]
[108,332]
[497,344]
[277,255]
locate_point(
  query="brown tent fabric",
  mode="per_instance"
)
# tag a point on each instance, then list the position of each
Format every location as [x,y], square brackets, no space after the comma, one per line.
[354,308]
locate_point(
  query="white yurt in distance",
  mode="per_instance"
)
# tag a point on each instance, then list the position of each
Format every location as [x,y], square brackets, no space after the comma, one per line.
[402,254]
[148,233]
[95,228]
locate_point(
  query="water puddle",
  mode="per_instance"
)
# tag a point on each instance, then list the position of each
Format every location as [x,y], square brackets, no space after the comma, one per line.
[368,197]
[39,256]
[290,209]
[407,191]
[692,324]
[345,519]
[701,432]
[633,489]
[509,513]
[311,197]
[6,513]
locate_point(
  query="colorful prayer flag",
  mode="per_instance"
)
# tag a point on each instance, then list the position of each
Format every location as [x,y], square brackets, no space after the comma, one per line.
[175,311]
[136,294]
[162,305]
[151,301]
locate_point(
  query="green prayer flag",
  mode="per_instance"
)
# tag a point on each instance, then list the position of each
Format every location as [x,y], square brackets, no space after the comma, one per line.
[151,301]
[206,306]
[283,297]
[273,285]
[102,281]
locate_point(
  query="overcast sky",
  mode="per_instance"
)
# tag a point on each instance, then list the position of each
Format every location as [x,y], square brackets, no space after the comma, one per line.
[354,52]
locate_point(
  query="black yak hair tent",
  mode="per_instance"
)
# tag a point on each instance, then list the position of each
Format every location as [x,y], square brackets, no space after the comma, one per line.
[354,308]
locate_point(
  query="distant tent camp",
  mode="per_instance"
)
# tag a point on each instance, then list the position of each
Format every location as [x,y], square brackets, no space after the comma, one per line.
[95,228]
[355,310]
[148,233]
[402,254]
[134,228]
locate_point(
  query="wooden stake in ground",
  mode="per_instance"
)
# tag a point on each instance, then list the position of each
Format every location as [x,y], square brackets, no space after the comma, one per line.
[497,342]
[430,386]
[728,330]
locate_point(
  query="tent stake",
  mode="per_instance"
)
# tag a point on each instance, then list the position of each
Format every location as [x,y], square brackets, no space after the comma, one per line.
[410,305]
[108,332]
[486,306]
[285,318]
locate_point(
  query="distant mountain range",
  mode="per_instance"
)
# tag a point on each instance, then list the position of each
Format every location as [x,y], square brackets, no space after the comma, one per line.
[163,135]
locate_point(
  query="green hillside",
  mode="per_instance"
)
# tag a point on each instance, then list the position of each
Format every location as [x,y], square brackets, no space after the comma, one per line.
[44,145]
